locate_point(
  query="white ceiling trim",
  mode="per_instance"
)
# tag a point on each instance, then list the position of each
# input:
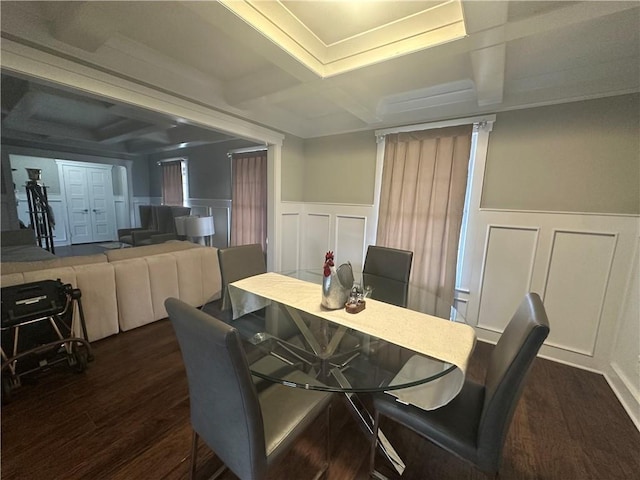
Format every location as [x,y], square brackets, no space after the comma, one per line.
[428,28]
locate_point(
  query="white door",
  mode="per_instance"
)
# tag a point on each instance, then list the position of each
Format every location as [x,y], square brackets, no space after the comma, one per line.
[77,196]
[90,206]
[102,208]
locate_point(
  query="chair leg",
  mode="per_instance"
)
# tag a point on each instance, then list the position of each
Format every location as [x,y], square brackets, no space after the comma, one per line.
[328,454]
[194,454]
[374,443]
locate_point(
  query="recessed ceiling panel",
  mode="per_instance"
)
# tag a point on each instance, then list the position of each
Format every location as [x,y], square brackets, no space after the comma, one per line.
[348,40]
[334,21]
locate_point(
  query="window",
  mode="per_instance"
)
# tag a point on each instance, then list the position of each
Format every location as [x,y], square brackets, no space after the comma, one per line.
[469,234]
[175,187]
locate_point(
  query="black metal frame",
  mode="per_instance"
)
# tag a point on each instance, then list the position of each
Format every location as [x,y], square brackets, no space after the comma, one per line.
[40,214]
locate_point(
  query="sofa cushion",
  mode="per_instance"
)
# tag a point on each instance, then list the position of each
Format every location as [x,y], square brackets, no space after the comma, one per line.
[116,255]
[11,279]
[20,267]
[163,275]
[98,286]
[133,290]
[198,275]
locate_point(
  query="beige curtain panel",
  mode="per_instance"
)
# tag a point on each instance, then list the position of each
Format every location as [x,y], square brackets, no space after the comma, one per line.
[172,183]
[249,199]
[422,199]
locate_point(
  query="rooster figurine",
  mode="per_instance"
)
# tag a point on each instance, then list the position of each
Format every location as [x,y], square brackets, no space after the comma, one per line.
[328,264]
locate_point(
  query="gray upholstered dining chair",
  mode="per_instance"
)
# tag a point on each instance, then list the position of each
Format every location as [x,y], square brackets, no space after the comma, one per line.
[247,430]
[474,425]
[386,271]
[239,262]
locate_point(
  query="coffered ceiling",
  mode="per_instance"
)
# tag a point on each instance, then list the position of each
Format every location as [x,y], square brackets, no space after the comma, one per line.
[317,68]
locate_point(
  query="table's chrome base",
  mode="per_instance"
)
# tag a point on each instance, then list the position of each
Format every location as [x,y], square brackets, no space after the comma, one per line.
[378,476]
[365,420]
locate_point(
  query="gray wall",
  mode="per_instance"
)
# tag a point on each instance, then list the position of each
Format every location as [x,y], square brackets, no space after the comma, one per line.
[140,178]
[293,169]
[574,157]
[340,168]
[49,175]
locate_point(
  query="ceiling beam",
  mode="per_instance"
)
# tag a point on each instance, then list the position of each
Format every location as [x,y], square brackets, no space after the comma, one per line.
[188,133]
[258,85]
[348,102]
[77,24]
[20,119]
[488,74]
[126,129]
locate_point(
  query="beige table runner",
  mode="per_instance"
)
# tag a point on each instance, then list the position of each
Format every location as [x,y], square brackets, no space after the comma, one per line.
[442,339]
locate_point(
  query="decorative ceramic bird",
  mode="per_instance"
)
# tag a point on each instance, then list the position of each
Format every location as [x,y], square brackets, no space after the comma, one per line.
[328,263]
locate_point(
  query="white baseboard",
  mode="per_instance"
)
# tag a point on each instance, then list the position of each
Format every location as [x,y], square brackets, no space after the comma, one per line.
[624,391]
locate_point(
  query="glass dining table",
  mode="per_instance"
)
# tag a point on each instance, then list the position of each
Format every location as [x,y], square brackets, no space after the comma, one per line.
[406,342]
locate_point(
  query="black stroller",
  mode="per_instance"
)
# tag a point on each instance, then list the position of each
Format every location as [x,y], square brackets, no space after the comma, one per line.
[37,331]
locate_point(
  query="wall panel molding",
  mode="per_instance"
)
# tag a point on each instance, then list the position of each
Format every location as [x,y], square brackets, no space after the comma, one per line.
[343,228]
[291,241]
[350,239]
[506,273]
[577,276]
[623,370]
[585,340]
[316,239]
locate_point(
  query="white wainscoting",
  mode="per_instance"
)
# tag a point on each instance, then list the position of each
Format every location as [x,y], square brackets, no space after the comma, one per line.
[290,241]
[123,219]
[578,263]
[509,252]
[60,232]
[584,267]
[309,230]
[578,271]
[623,372]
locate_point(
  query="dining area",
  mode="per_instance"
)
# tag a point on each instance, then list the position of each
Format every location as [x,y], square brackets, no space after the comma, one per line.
[290,345]
[133,416]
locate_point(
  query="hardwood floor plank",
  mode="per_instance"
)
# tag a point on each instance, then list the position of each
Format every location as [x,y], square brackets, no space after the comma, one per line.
[127,417]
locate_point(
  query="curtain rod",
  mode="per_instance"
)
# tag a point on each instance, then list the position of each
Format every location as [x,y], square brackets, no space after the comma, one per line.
[167,160]
[488,119]
[247,150]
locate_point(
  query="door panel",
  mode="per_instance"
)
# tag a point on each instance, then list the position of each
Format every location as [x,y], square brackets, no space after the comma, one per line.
[78,206]
[102,206]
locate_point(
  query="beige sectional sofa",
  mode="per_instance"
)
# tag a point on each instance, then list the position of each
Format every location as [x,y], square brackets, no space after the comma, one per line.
[126,288]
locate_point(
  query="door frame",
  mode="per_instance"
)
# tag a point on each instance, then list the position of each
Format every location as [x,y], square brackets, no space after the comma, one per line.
[61,71]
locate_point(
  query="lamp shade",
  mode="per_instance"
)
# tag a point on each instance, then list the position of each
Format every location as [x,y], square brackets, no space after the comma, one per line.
[181,225]
[199,226]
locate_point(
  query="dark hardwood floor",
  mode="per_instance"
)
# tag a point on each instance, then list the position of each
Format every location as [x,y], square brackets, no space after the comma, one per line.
[127,417]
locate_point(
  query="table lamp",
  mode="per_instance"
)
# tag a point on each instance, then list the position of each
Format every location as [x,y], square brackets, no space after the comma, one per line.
[199,227]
